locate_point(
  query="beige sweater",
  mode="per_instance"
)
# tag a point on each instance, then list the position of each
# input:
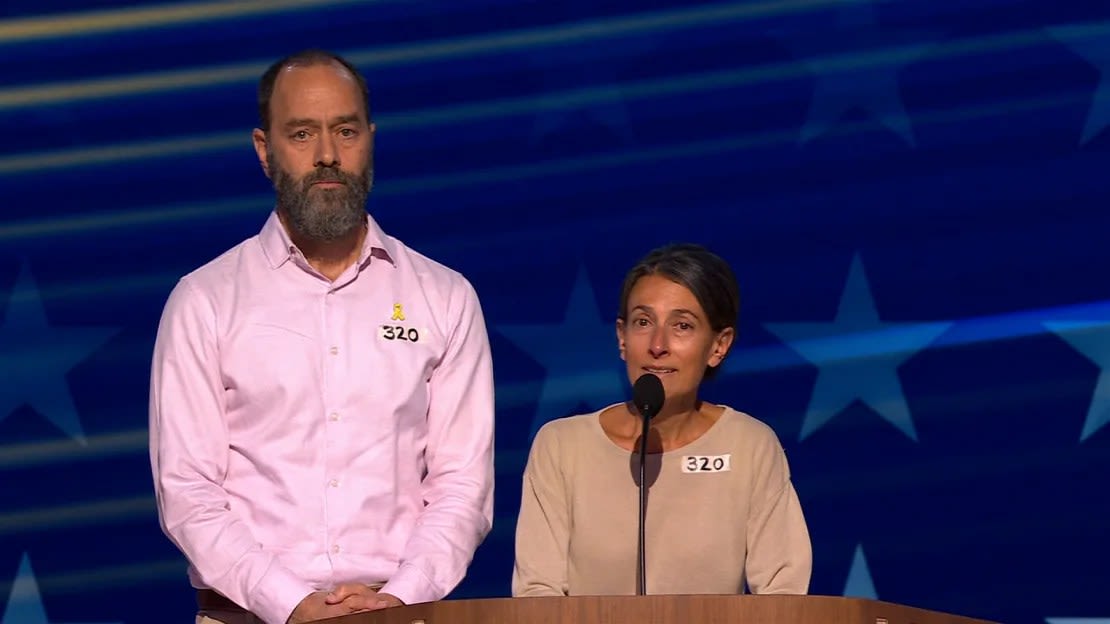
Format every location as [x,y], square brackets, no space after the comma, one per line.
[722,514]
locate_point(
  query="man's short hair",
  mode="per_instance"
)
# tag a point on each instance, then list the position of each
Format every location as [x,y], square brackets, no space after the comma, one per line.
[305,58]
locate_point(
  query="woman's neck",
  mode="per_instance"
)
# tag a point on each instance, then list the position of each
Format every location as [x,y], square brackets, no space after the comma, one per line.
[679,424]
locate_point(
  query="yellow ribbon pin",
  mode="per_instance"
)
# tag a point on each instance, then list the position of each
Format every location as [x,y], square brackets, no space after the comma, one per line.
[398,313]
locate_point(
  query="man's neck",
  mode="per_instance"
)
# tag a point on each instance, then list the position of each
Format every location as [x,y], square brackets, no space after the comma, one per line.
[330,258]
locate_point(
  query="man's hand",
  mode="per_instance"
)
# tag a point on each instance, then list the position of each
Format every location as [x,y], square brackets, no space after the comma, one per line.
[359,597]
[315,607]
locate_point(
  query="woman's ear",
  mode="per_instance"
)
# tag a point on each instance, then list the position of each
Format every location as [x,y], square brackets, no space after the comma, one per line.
[620,337]
[722,342]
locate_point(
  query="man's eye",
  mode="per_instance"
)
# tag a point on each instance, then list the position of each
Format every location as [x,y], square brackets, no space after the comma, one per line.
[347,132]
[300,135]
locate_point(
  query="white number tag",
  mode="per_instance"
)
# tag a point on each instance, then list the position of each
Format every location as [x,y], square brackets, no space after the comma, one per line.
[399,333]
[707,463]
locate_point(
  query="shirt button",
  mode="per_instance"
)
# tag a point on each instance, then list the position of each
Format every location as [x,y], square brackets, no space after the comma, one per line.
[333,350]
[334,417]
[334,483]
[335,548]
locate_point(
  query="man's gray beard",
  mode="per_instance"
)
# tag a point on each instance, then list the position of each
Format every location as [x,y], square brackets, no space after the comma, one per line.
[322,214]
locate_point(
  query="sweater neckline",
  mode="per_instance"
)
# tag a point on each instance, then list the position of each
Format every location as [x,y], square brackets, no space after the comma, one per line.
[595,424]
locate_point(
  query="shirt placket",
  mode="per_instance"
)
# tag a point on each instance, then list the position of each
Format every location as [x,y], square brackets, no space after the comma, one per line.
[334,425]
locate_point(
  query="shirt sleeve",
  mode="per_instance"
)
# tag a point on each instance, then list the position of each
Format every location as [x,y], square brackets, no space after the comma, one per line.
[543,527]
[458,487]
[189,449]
[780,556]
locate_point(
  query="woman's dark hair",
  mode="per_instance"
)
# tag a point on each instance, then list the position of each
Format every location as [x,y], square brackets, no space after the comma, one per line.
[305,58]
[702,272]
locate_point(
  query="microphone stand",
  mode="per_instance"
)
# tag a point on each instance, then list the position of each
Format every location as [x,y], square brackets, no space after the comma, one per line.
[641,571]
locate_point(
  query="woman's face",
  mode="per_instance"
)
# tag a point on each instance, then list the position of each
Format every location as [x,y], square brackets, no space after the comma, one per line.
[667,333]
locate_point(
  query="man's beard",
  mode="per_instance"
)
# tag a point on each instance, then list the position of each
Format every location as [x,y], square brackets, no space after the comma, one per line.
[322,214]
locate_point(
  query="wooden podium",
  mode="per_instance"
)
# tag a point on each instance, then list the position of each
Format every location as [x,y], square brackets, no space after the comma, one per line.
[699,609]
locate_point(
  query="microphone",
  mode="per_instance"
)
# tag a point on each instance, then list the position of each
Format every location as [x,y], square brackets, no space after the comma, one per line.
[648,396]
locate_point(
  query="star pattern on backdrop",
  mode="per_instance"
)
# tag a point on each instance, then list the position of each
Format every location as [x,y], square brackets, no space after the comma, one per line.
[606,108]
[1092,339]
[25,601]
[595,94]
[858,357]
[844,83]
[579,354]
[859,583]
[1090,41]
[36,356]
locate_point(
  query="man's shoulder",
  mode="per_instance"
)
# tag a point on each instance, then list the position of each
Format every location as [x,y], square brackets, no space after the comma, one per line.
[219,272]
[425,268]
[421,263]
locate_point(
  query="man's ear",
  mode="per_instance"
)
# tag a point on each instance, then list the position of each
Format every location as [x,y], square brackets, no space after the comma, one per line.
[259,138]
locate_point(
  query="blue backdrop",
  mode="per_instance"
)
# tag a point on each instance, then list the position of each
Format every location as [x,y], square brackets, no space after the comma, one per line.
[913,195]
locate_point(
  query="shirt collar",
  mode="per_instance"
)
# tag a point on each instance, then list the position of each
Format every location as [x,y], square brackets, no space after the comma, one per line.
[279,248]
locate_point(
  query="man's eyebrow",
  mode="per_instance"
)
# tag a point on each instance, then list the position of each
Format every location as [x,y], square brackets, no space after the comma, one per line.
[297,123]
[346,119]
[315,123]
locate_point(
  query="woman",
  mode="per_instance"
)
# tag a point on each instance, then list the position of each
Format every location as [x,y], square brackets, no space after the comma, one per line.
[722,515]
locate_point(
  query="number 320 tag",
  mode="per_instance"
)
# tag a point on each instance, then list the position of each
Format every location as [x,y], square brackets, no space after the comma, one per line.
[707,463]
[400,333]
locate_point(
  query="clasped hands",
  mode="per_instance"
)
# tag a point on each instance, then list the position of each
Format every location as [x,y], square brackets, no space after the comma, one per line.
[343,600]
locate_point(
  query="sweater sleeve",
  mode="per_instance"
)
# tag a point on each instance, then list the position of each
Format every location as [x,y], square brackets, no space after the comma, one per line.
[543,526]
[780,556]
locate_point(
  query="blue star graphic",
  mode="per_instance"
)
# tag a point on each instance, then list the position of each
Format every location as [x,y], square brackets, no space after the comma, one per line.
[1092,339]
[580,356]
[604,105]
[858,356]
[859,583]
[36,358]
[25,602]
[1090,41]
[596,91]
[858,79]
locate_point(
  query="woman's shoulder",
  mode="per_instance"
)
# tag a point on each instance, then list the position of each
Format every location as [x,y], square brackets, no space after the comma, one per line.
[742,426]
[576,429]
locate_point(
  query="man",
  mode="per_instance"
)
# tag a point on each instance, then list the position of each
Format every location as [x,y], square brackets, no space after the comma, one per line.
[321,410]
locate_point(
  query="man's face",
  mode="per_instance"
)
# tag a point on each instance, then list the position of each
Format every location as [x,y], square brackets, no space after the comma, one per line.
[318,151]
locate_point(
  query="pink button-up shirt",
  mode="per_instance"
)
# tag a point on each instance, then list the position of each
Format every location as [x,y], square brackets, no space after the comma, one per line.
[306,433]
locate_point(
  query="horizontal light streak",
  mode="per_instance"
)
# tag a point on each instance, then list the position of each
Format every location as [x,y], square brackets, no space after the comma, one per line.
[578,98]
[421,184]
[701,148]
[505,42]
[570,99]
[117,152]
[47,518]
[85,224]
[120,576]
[65,450]
[117,20]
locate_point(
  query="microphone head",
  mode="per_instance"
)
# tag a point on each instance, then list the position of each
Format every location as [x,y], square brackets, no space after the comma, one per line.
[648,395]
